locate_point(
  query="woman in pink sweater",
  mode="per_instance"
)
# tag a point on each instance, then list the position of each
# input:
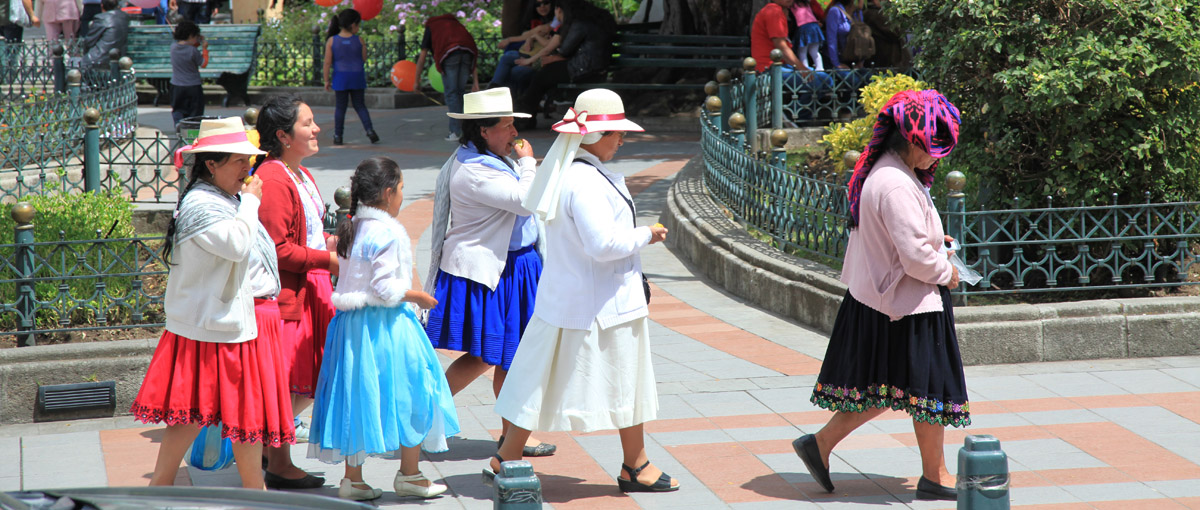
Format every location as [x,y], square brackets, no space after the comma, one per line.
[893,344]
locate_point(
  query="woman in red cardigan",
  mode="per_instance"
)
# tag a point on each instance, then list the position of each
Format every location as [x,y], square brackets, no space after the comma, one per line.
[292,212]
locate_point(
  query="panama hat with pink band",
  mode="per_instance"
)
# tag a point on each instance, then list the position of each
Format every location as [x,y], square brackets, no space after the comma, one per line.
[226,135]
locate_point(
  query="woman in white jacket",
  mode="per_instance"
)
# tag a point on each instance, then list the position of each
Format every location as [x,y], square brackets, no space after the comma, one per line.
[584,362]
[215,363]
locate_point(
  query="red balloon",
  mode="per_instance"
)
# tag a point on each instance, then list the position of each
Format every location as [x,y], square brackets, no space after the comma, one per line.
[145,4]
[368,8]
[404,75]
[328,3]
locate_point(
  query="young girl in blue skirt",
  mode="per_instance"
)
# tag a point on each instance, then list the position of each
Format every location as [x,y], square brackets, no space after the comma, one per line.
[381,387]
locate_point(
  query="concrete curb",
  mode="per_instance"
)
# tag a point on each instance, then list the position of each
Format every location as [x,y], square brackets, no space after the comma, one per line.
[809,292]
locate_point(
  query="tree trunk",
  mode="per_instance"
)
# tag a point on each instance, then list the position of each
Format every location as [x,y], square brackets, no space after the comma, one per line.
[709,17]
[510,18]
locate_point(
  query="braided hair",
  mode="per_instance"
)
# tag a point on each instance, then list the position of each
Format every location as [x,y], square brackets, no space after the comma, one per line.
[199,171]
[279,113]
[371,179]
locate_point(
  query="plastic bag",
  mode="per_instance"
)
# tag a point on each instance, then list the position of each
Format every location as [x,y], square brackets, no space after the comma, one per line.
[965,274]
[210,451]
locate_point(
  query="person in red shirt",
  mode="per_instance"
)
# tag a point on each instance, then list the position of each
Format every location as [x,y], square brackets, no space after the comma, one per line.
[454,53]
[770,31]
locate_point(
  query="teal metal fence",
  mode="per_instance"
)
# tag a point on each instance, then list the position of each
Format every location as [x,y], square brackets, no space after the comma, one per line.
[1024,249]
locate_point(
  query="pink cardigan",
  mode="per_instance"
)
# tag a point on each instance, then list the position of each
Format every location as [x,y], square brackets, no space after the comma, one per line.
[892,261]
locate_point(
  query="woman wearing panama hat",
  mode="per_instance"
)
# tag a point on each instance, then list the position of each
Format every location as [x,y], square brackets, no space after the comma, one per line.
[584,362]
[216,361]
[484,265]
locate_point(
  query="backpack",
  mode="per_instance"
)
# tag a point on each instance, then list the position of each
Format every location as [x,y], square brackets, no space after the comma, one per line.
[860,45]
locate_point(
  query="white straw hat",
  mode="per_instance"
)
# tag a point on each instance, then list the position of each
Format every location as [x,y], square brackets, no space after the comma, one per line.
[222,135]
[596,110]
[487,104]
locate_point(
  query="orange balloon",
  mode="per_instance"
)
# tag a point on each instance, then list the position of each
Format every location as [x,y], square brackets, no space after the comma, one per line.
[328,3]
[404,75]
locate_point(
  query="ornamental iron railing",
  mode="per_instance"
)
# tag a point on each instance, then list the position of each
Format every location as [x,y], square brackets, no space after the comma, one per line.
[1024,249]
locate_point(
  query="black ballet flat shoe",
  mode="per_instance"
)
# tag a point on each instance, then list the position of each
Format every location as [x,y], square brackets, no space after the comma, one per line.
[308,481]
[543,449]
[372,136]
[337,140]
[929,491]
[806,448]
[663,484]
[489,476]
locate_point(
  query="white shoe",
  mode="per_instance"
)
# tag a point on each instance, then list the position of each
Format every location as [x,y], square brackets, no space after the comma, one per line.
[301,431]
[347,490]
[452,137]
[405,487]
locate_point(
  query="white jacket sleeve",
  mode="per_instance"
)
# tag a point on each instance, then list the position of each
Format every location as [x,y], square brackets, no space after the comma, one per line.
[606,237]
[232,239]
[387,284]
[495,188]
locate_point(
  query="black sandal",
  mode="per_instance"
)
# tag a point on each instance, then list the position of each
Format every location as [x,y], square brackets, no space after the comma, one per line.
[489,476]
[663,484]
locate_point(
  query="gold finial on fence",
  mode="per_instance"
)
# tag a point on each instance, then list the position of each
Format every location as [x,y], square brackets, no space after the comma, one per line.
[23,213]
[125,63]
[779,138]
[749,64]
[74,77]
[850,159]
[114,54]
[956,181]
[341,197]
[737,121]
[776,56]
[724,76]
[250,116]
[713,103]
[91,116]
[58,50]
[711,88]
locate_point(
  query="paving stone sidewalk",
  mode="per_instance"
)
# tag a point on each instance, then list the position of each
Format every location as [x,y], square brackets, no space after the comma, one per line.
[733,384]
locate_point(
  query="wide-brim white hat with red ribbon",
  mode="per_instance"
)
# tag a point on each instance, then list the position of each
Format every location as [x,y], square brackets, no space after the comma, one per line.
[595,111]
[488,104]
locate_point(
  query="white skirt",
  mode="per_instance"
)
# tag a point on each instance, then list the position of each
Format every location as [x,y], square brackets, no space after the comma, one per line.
[572,379]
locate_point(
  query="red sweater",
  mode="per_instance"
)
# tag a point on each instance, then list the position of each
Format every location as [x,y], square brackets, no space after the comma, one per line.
[448,36]
[282,214]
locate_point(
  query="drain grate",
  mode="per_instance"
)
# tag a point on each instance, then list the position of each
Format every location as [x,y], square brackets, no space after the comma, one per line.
[71,397]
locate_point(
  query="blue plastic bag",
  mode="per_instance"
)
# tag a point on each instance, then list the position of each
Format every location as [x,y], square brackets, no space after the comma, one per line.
[210,451]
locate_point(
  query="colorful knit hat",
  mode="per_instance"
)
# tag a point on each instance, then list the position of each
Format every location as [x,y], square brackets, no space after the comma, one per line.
[925,118]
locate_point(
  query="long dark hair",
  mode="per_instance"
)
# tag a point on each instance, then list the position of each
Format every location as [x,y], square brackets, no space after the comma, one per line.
[279,112]
[344,19]
[531,14]
[372,177]
[199,171]
[472,131]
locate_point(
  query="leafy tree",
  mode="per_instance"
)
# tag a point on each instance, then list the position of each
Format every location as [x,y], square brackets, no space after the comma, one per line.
[1074,99]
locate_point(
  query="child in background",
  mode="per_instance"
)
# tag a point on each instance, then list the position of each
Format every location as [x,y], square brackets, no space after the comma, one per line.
[809,35]
[187,89]
[345,53]
[381,387]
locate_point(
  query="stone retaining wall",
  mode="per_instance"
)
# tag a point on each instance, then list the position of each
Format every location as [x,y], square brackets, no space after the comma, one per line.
[810,293]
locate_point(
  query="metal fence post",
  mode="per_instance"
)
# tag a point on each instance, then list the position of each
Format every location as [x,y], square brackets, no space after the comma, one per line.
[750,102]
[724,79]
[776,89]
[713,105]
[23,214]
[60,69]
[401,49]
[318,55]
[779,139]
[956,205]
[74,80]
[113,67]
[91,150]
[737,130]
[341,197]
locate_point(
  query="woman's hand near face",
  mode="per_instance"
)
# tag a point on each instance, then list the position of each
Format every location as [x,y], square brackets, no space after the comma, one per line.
[253,187]
[658,233]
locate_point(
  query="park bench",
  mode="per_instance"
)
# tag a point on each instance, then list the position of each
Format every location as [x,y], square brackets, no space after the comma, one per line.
[632,50]
[232,54]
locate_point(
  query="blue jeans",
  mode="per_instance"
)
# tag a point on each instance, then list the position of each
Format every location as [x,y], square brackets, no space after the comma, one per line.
[357,96]
[504,67]
[456,71]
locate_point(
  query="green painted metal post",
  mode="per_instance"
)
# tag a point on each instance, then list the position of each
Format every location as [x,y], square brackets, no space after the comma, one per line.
[318,56]
[113,67]
[750,82]
[724,84]
[779,139]
[776,89]
[737,130]
[956,205]
[341,197]
[60,69]
[713,105]
[74,80]
[982,475]
[91,150]
[22,215]
[517,488]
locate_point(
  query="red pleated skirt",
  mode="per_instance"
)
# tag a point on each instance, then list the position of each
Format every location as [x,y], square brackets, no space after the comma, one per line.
[302,342]
[238,385]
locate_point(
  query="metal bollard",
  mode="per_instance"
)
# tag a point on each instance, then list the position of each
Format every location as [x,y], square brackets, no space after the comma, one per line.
[517,488]
[982,475]
[23,214]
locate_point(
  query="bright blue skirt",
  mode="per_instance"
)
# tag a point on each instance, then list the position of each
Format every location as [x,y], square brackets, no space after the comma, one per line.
[381,387]
[482,322]
[806,34]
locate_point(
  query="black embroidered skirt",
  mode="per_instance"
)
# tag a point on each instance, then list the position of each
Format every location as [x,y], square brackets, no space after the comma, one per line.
[912,364]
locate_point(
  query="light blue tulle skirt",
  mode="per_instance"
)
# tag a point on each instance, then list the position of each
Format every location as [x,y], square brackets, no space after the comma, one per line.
[381,387]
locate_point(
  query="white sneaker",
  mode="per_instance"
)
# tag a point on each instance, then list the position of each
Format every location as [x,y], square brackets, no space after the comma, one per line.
[301,431]
[405,487]
[347,490]
[451,137]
